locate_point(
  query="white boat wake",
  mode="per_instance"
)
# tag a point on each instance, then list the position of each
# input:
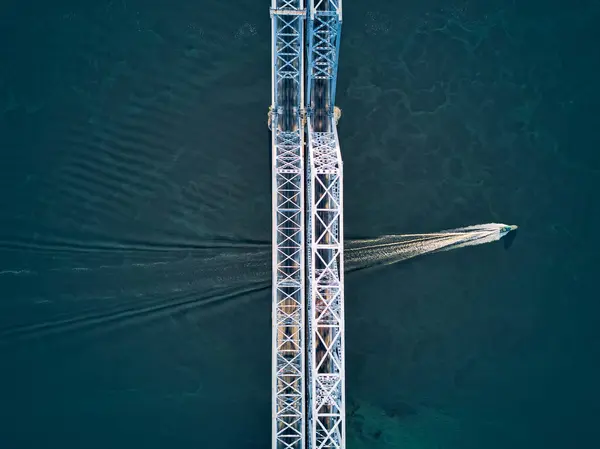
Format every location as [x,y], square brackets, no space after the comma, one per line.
[95,291]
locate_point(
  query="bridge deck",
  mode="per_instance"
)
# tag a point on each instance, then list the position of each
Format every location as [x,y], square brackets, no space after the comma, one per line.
[325,302]
[288,309]
[308,385]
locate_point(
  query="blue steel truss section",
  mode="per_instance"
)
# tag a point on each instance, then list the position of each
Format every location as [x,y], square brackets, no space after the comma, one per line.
[324,31]
[288,301]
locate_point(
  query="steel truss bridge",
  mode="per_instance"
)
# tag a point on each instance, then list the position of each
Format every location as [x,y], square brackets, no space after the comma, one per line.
[308,403]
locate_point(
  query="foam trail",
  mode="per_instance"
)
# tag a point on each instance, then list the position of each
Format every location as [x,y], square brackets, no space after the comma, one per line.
[97,293]
[128,286]
[388,249]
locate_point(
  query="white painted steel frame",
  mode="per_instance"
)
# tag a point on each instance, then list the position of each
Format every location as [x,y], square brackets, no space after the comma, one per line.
[326,371]
[326,415]
[288,302]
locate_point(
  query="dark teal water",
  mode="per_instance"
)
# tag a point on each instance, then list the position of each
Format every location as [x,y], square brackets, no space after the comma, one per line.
[134,141]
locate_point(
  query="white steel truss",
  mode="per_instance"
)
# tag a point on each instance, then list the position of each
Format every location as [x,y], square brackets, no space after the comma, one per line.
[326,416]
[326,371]
[288,302]
[324,406]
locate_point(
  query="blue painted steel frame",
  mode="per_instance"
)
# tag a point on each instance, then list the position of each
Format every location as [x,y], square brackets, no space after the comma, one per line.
[325,17]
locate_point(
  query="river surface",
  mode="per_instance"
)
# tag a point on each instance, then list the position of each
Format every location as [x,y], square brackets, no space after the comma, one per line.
[133,142]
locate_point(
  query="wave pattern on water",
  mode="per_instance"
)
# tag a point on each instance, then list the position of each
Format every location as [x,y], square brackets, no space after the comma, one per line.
[137,142]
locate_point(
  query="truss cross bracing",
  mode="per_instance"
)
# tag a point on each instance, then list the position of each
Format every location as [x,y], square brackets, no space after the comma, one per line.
[326,403]
[308,331]
[325,303]
[288,310]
